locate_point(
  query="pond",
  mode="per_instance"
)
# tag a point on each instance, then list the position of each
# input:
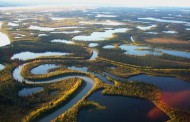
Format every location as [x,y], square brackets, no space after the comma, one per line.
[43,69]
[146,50]
[41,28]
[164,20]
[151,33]
[122,109]
[30,55]
[2,67]
[107,22]
[138,50]
[29,91]
[105,16]
[144,28]
[12,24]
[93,45]
[109,47]
[58,18]
[67,32]
[169,32]
[40,35]
[62,41]
[175,92]
[99,36]
[80,69]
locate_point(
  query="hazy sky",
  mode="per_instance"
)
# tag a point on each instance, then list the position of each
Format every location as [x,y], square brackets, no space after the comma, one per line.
[141,3]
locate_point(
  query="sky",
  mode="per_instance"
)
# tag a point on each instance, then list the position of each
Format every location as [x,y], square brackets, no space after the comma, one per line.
[130,3]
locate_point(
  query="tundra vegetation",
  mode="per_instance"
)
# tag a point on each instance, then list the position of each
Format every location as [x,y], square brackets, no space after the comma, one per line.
[114,61]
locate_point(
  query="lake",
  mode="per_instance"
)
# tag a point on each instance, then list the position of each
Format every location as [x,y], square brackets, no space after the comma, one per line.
[99,36]
[122,109]
[31,55]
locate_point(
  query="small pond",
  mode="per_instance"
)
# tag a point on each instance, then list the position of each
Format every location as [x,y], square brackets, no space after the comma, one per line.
[67,32]
[2,67]
[105,16]
[62,41]
[169,32]
[107,22]
[80,69]
[30,55]
[93,45]
[29,91]
[109,47]
[43,69]
[144,28]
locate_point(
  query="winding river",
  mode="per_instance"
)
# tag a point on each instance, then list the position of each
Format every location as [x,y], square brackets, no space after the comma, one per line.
[88,86]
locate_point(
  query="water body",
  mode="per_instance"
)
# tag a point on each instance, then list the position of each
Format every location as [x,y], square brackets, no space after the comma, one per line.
[80,69]
[138,50]
[68,32]
[43,69]
[132,39]
[144,50]
[62,41]
[151,33]
[108,47]
[29,91]
[40,35]
[51,29]
[94,55]
[41,28]
[105,16]
[85,69]
[122,109]
[89,84]
[99,36]
[93,45]
[107,22]
[164,20]
[30,55]
[4,39]
[2,67]
[144,28]
[13,24]
[59,18]
[169,32]
[175,92]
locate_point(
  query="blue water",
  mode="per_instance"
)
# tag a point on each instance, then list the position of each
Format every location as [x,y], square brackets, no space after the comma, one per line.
[122,109]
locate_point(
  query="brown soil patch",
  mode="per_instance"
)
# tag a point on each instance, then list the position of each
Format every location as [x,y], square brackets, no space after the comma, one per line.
[166,41]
